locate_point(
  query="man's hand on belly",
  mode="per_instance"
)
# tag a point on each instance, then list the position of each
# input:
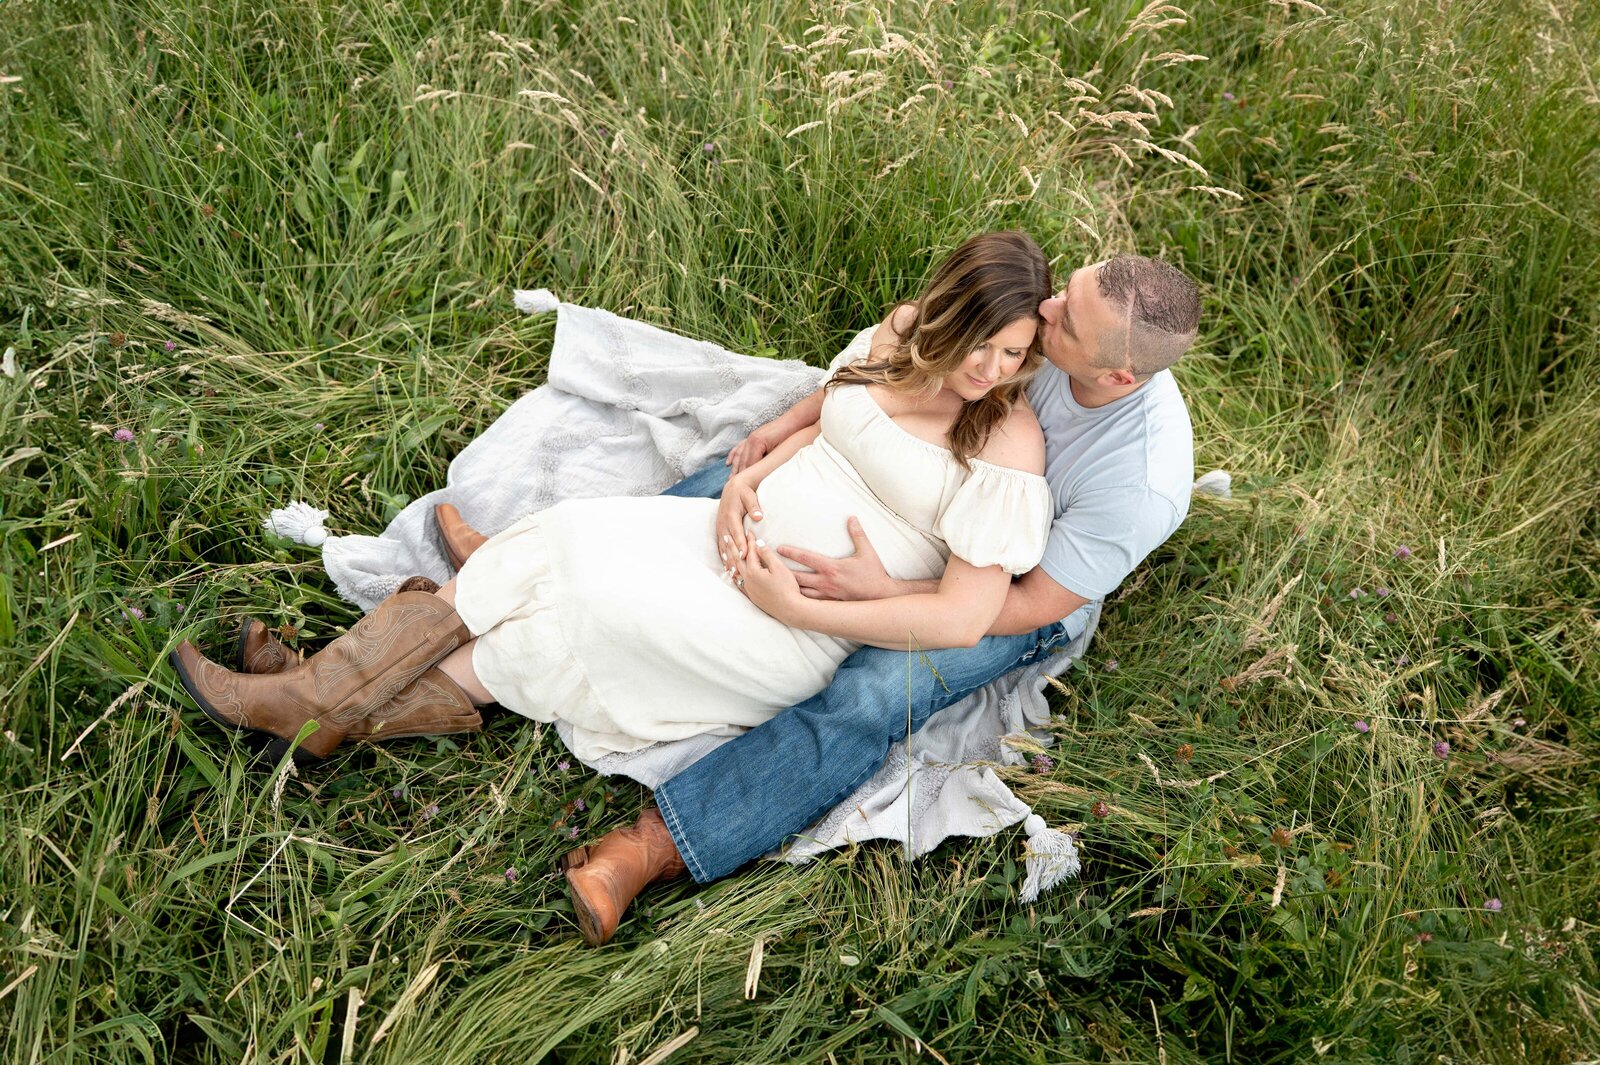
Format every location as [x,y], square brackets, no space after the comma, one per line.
[854,578]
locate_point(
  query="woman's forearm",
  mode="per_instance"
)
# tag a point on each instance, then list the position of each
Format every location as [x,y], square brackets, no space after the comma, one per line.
[754,475]
[958,614]
[904,623]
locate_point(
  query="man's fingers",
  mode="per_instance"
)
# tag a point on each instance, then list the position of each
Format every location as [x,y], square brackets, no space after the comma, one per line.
[859,535]
[808,559]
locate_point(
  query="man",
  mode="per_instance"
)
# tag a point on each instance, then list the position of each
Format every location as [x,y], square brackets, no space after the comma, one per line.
[1120,462]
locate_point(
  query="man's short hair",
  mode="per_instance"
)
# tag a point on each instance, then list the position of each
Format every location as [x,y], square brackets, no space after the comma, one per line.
[1163,305]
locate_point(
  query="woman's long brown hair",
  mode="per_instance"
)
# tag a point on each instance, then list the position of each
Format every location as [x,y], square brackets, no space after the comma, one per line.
[986,284]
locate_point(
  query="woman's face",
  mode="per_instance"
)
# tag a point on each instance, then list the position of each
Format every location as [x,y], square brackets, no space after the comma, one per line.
[994,361]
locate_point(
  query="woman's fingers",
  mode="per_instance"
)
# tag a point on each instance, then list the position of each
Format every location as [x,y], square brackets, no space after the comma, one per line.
[752,505]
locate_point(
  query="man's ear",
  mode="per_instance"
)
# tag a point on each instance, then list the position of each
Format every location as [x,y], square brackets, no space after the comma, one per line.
[1120,378]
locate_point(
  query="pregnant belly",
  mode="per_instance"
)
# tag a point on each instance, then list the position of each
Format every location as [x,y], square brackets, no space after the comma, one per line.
[806,502]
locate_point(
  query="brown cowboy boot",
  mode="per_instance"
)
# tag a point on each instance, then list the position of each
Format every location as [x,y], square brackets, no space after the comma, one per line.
[460,540]
[355,675]
[257,650]
[431,705]
[604,878]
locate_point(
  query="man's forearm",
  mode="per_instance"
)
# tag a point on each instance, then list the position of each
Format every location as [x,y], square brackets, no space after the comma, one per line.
[800,416]
[1034,601]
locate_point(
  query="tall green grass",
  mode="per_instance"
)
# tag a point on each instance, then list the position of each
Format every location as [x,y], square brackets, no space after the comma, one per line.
[322,207]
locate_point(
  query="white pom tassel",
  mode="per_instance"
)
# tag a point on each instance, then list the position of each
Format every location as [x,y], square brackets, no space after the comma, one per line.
[1051,858]
[534,301]
[300,522]
[8,364]
[1217,483]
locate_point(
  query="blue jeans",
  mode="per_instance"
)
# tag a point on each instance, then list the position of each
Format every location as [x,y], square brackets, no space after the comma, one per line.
[757,790]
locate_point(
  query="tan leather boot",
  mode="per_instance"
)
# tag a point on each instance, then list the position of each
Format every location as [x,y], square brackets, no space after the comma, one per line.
[355,675]
[604,878]
[257,650]
[460,540]
[431,705]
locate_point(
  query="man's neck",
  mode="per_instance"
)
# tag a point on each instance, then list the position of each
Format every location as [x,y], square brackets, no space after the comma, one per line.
[1092,396]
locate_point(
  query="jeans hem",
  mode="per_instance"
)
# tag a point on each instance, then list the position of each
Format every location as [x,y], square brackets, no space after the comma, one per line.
[681,841]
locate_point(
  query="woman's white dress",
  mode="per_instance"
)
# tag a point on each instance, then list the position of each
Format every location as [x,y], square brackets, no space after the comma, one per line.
[615,614]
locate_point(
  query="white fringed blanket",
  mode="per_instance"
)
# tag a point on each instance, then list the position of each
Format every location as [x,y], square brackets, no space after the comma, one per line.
[630,409]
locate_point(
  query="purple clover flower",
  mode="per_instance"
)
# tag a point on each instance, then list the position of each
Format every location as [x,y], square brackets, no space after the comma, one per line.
[1043,763]
[133,613]
[1402,552]
[123,436]
[1228,96]
[563,765]
[511,874]
[1362,726]
[579,805]
[572,833]
[171,345]
[1111,665]
[1357,593]
[1493,905]
[1381,592]
[431,812]
[710,147]
[1441,750]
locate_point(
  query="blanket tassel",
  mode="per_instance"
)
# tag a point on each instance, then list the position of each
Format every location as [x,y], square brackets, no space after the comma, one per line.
[535,301]
[1051,858]
[300,522]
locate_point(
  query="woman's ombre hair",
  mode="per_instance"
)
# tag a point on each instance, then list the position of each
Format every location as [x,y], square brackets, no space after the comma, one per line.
[989,282]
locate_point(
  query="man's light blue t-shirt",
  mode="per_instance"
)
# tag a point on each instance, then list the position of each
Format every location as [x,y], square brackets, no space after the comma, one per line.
[1121,475]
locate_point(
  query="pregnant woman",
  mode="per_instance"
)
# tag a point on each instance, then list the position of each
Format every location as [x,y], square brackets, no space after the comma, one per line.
[645,619]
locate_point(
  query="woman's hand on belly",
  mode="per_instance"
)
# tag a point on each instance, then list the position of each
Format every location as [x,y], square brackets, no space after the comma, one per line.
[738,500]
[768,583]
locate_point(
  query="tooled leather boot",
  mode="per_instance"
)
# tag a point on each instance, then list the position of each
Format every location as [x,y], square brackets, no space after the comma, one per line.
[431,705]
[355,675]
[460,540]
[604,878]
[257,650]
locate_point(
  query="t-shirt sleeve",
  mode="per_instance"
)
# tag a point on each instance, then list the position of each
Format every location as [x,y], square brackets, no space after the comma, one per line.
[1099,539]
[998,517]
[858,348]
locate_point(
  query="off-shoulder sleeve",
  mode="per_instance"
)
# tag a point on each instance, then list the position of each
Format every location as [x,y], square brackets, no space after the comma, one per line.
[999,517]
[858,348]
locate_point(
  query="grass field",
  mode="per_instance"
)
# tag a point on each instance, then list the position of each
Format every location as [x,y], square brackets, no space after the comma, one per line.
[251,251]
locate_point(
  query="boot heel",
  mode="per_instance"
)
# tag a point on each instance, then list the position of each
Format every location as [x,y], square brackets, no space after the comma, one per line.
[276,748]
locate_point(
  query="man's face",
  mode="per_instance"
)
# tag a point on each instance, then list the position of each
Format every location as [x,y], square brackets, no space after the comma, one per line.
[1082,330]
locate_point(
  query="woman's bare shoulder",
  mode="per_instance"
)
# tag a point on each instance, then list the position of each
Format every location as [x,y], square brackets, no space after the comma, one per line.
[895,325]
[1018,442]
